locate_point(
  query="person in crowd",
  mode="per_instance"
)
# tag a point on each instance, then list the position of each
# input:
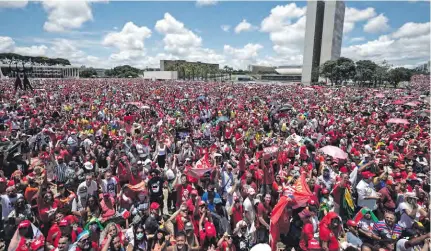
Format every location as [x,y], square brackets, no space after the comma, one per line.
[191,165]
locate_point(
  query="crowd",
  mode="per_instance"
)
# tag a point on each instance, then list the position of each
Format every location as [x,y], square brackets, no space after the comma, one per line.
[126,164]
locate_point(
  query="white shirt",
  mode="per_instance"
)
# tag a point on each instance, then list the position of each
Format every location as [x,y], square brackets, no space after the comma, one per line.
[365,190]
[109,186]
[249,209]
[401,246]
[405,220]
[91,190]
[7,204]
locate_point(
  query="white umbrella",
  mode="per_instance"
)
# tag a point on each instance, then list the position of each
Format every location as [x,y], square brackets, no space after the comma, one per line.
[334,152]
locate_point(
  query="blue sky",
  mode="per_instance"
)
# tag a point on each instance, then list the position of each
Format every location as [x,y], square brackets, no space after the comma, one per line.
[108,33]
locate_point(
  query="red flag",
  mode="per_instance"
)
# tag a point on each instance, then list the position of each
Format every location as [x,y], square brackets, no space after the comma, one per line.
[298,197]
[202,166]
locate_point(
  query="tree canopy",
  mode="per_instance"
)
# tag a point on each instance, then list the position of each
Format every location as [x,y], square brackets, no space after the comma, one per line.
[40,60]
[365,72]
[88,73]
[124,71]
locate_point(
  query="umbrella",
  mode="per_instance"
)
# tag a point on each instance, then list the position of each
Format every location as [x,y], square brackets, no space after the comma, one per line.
[285,108]
[380,95]
[334,152]
[397,121]
[398,102]
[411,104]
[202,97]
[308,89]
[222,119]
[24,97]
[146,107]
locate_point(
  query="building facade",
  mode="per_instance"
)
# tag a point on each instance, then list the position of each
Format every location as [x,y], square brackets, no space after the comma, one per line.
[43,71]
[323,36]
[258,69]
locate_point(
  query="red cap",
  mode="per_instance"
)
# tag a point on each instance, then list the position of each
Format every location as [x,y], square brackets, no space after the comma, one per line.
[194,192]
[351,223]
[343,169]
[2,180]
[367,174]
[202,203]
[325,191]
[24,224]
[389,182]
[313,244]
[63,223]
[154,206]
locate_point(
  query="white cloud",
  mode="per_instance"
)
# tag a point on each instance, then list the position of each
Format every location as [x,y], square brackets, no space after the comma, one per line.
[131,37]
[178,39]
[281,16]
[377,24]
[66,15]
[411,29]
[357,39]
[244,26]
[225,27]
[8,45]
[249,51]
[399,48]
[348,27]
[205,2]
[33,50]
[13,4]
[286,28]
[353,15]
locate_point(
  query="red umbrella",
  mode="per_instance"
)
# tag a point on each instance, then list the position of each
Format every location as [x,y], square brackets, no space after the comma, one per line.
[334,152]
[397,121]
[398,102]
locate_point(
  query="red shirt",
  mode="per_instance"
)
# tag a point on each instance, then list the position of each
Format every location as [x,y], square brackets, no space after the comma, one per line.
[237,213]
[180,189]
[43,210]
[306,235]
[327,235]
[262,211]
[225,247]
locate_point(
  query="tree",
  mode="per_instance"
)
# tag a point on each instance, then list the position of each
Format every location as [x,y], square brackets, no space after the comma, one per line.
[399,74]
[365,70]
[344,70]
[123,72]
[327,70]
[381,73]
[88,73]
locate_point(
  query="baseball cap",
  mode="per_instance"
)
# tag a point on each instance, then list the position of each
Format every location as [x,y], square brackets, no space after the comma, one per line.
[24,224]
[351,223]
[188,226]
[367,174]
[154,206]
[63,223]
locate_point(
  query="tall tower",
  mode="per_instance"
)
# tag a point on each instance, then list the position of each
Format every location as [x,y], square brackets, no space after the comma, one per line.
[323,36]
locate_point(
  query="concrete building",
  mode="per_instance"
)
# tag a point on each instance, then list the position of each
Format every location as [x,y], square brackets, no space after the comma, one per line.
[323,36]
[258,69]
[160,75]
[43,71]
